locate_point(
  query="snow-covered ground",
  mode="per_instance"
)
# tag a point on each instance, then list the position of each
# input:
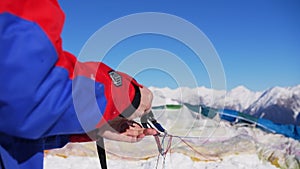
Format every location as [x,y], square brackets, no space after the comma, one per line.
[221,144]
[173,161]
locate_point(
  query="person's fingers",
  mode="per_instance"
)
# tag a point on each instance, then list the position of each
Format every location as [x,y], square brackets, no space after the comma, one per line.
[133,132]
[140,133]
[132,139]
[149,131]
[136,125]
[136,139]
[130,136]
[121,137]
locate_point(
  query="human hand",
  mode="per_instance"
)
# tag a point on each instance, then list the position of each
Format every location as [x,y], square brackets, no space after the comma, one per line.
[121,129]
[126,130]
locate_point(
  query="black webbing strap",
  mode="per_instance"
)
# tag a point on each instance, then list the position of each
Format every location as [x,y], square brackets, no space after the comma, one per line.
[101,153]
[126,113]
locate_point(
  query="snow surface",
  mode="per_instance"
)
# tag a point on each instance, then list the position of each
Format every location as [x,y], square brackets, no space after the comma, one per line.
[175,161]
[222,145]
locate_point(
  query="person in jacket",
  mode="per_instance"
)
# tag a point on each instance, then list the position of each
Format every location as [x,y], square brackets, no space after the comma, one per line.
[48,98]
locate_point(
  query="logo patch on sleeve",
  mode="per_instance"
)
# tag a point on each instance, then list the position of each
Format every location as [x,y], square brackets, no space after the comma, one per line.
[116,78]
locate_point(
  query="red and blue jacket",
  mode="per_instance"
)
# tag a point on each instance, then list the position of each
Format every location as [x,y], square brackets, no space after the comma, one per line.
[46,95]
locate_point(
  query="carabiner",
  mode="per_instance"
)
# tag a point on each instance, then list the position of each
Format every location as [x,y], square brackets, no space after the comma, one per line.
[150,117]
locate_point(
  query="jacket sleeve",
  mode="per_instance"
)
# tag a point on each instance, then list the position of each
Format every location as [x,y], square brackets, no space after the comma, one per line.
[44,90]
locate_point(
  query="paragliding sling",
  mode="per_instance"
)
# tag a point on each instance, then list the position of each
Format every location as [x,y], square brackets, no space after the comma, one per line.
[145,123]
[145,120]
[148,121]
[101,153]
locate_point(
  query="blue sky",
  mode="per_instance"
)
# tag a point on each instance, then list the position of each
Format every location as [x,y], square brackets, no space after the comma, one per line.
[257,41]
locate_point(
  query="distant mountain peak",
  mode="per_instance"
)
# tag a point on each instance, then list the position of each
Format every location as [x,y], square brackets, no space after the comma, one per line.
[240,88]
[280,104]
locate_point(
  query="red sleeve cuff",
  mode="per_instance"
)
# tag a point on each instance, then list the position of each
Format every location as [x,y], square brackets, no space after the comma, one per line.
[121,90]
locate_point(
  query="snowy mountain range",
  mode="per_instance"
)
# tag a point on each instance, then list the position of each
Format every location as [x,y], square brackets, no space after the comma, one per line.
[279,104]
